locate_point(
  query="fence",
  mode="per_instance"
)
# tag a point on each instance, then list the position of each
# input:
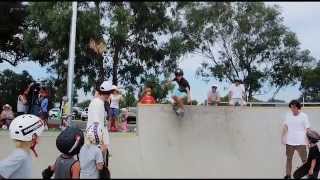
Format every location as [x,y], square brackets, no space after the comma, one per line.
[273,104]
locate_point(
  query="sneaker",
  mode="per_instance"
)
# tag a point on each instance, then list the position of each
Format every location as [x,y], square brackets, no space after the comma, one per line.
[287,177]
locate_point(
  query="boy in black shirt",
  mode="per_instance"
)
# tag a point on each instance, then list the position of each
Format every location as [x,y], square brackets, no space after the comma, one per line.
[312,166]
[182,93]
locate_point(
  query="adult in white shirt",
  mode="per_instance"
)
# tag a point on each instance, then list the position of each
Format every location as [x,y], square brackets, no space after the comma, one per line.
[213,96]
[96,113]
[294,135]
[114,111]
[237,94]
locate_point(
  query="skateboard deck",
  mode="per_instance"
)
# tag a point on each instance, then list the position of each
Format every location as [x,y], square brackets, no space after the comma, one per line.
[175,108]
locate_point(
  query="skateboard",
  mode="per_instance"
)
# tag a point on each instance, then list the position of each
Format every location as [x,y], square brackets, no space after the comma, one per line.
[175,108]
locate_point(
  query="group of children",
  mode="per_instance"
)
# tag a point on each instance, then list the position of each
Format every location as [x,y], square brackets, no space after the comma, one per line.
[91,159]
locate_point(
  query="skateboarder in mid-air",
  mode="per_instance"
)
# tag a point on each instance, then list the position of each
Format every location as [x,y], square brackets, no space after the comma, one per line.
[312,166]
[182,93]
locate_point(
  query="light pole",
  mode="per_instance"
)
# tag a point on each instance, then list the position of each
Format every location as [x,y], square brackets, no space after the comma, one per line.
[71,55]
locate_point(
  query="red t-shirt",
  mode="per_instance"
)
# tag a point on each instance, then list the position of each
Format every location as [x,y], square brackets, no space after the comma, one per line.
[148,100]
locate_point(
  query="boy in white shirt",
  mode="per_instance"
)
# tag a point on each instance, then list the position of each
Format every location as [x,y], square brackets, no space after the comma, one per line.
[294,135]
[237,94]
[96,113]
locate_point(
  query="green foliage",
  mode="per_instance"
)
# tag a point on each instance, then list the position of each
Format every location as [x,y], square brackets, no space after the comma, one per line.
[194,102]
[159,89]
[84,104]
[47,40]
[11,84]
[244,40]
[11,29]
[133,40]
[310,84]
[129,99]
[131,31]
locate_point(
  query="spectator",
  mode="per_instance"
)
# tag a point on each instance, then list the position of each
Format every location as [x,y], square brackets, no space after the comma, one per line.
[65,112]
[213,96]
[114,101]
[34,99]
[294,135]
[147,97]
[6,116]
[96,113]
[237,94]
[22,102]
[43,113]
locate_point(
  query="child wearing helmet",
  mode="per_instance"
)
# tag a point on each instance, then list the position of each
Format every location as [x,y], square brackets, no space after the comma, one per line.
[90,156]
[312,166]
[25,131]
[69,143]
[182,94]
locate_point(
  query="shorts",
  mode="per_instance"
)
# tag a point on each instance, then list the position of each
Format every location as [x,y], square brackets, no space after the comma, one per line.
[114,112]
[235,101]
[180,94]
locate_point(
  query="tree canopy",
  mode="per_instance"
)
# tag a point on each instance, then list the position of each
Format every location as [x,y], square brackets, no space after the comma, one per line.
[244,40]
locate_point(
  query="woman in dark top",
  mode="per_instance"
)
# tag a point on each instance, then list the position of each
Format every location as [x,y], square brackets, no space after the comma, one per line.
[312,166]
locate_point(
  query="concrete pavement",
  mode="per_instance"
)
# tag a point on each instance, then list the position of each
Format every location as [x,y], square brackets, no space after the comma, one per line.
[209,142]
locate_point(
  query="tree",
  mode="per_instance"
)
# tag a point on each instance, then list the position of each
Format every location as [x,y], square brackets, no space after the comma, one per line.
[159,89]
[12,17]
[131,31]
[47,40]
[310,85]
[129,99]
[84,104]
[10,85]
[244,40]
[140,39]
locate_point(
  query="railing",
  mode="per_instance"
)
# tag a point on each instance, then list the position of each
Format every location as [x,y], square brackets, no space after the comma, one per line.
[251,104]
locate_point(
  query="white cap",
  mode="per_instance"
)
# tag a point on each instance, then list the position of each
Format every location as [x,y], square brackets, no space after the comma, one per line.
[214,85]
[106,86]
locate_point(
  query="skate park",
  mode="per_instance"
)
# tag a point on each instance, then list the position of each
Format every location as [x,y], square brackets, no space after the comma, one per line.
[208,142]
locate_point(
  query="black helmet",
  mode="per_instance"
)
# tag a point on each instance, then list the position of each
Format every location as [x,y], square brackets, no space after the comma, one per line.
[178,72]
[70,141]
[313,136]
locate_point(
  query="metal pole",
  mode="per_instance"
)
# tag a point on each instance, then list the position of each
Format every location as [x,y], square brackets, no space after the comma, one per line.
[72,54]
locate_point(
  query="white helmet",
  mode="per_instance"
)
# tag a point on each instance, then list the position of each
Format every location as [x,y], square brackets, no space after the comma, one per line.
[106,86]
[25,126]
[94,133]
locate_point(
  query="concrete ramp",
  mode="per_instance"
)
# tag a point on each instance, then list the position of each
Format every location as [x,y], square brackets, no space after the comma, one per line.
[213,142]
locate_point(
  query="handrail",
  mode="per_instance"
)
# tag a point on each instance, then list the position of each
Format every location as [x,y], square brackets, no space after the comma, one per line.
[272,103]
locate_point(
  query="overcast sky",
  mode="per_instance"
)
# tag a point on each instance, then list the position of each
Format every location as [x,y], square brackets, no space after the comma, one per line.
[301,18]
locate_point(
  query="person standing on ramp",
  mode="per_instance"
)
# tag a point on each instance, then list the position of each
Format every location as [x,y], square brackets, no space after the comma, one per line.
[294,135]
